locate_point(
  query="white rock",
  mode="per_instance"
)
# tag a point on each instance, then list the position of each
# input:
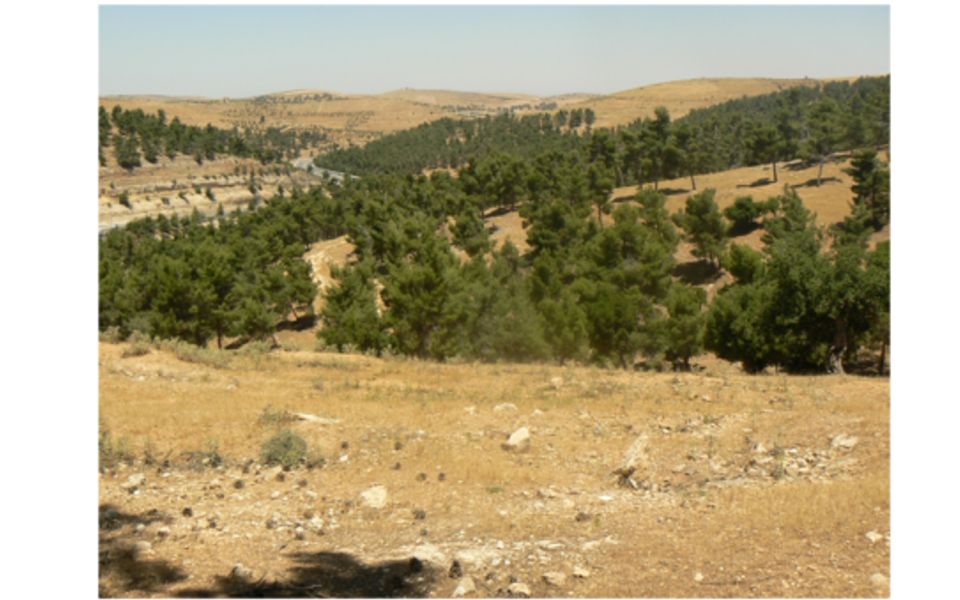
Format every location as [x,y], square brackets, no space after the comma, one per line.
[519,590]
[519,441]
[505,407]
[581,572]
[133,482]
[464,587]
[375,497]
[874,537]
[843,441]
[556,382]
[879,580]
[241,573]
[698,577]
[555,578]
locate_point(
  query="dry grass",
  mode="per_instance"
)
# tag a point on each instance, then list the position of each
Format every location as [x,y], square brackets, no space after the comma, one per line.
[797,536]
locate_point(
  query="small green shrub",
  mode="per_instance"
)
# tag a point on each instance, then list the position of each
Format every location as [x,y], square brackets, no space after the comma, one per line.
[112,335]
[274,417]
[124,199]
[286,449]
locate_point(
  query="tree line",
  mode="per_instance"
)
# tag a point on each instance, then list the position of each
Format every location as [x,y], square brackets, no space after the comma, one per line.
[136,136]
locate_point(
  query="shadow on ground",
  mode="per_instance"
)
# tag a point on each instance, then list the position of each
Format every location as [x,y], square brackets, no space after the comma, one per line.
[699,272]
[330,575]
[128,566]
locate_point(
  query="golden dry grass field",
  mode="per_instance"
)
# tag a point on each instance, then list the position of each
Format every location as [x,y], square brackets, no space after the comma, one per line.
[748,486]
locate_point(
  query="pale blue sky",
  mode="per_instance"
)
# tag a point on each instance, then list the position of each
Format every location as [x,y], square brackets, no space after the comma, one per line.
[242,51]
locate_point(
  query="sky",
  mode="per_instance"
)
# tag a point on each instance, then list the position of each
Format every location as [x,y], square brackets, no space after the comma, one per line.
[243,51]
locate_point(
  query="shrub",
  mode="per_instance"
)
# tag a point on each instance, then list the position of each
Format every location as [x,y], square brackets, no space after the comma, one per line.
[124,199]
[274,417]
[111,335]
[286,449]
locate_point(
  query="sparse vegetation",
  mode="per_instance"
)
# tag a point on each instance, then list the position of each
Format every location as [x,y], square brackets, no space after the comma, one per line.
[286,449]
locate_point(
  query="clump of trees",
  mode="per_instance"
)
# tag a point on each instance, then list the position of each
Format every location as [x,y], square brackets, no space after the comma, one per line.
[136,136]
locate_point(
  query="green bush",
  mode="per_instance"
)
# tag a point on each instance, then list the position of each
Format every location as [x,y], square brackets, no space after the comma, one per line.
[286,449]
[124,199]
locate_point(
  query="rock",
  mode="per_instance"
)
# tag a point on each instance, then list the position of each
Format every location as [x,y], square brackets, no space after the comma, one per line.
[419,514]
[698,577]
[556,382]
[464,587]
[555,578]
[188,512]
[299,533]
[315,524]
[636,461]
[241,573]
[580,572]
[456,570]
[519,441]
[163,532]
[844,442]
[134,482]
[506,406]
[273,521]
[874,537]
[518,590]
[375,497]
[879,580]
[142,547]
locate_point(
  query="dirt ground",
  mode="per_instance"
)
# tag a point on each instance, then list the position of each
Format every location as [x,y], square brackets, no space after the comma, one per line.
[743,486]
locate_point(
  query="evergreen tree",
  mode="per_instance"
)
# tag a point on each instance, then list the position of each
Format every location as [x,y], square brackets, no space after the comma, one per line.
[704,226]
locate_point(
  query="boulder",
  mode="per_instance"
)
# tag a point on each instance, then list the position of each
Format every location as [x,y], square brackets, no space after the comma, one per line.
[519,441]
[464,587]
[555,578]
[518,590]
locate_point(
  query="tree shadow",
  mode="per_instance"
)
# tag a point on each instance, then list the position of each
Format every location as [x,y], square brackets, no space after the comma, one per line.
[301,323]
[758,183]
[673,191]
[331,575]
[740,229]
[120,557]
[813,182]
[700,272]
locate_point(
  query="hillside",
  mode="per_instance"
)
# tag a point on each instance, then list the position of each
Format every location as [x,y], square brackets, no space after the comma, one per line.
[742,486]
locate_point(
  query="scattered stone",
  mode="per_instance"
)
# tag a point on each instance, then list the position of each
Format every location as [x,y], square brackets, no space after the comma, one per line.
[163,532]
[879,580]
[375,497]
[238,484]
[464,587]
[556,382]
[580,572]
[241,573]
[299,533]
[442,477]
[134,482]
[547,493]
[397,467]
[142,547]
[421,476]
[273,521]
[555,578]
[311,495]
[518,442]
[315,524]
[139,528]
[874,537]
[456,570]
[505,407]
[398,446]
[698,577]
[188,512]
[419,514]
[518,590]
[844,442]
[582,516]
